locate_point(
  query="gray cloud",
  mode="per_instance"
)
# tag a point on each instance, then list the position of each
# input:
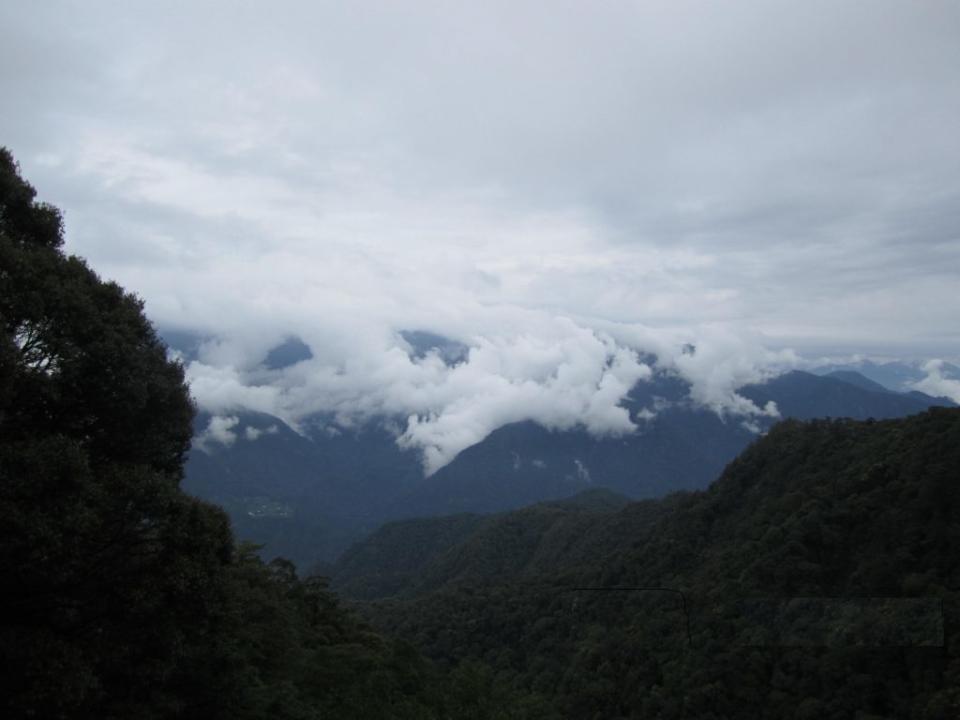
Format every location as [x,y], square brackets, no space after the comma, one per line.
[555,187]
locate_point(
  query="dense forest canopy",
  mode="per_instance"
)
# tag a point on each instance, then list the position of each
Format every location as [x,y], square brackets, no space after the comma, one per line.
[95,424]
[819,577]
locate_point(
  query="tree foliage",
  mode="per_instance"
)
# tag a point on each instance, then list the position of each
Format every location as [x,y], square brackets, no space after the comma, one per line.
[821,575]
[105,559]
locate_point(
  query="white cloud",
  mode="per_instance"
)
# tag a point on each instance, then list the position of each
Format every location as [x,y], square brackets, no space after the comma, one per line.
[220,430]
[224,388]
[720,362]
[936,384]
[552,370]
[252,433]
[560,382]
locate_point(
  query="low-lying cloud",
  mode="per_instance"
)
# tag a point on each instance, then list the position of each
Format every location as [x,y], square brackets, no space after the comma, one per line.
[555,371]
[221,430]
[936,384]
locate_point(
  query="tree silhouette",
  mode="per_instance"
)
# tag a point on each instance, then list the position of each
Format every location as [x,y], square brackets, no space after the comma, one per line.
[105,561]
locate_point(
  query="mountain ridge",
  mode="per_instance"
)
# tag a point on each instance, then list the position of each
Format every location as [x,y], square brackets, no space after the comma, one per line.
[819,577]
[340,484]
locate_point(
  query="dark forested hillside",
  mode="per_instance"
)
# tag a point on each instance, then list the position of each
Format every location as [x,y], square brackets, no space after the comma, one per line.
[819,577]
[409,557]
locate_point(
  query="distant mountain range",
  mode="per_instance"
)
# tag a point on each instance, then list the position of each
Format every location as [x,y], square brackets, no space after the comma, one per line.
[309,495]
[895,376]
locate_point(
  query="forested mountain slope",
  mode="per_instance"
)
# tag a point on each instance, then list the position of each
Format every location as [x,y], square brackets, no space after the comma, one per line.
[409,557]
[820,574]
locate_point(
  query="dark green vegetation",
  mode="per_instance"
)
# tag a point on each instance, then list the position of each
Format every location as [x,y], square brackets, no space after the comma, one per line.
[123,596]
[410,557]
[865,513]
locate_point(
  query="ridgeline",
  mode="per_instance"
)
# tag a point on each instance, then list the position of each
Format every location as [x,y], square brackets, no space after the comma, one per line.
[819,577]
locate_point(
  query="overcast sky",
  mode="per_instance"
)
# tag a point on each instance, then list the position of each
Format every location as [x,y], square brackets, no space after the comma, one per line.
[552,183]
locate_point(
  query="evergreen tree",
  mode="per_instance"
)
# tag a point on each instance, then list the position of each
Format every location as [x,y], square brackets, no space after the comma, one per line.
[107,564]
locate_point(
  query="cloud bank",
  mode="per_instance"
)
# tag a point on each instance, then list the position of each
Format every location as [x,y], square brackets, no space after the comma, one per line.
[551,370]
[565,193]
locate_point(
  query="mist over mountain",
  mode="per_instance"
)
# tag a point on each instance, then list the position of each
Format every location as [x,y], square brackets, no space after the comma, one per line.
[309,493]
[934,377]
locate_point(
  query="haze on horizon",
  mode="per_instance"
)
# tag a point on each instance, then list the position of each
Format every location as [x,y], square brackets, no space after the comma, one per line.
[555,185]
